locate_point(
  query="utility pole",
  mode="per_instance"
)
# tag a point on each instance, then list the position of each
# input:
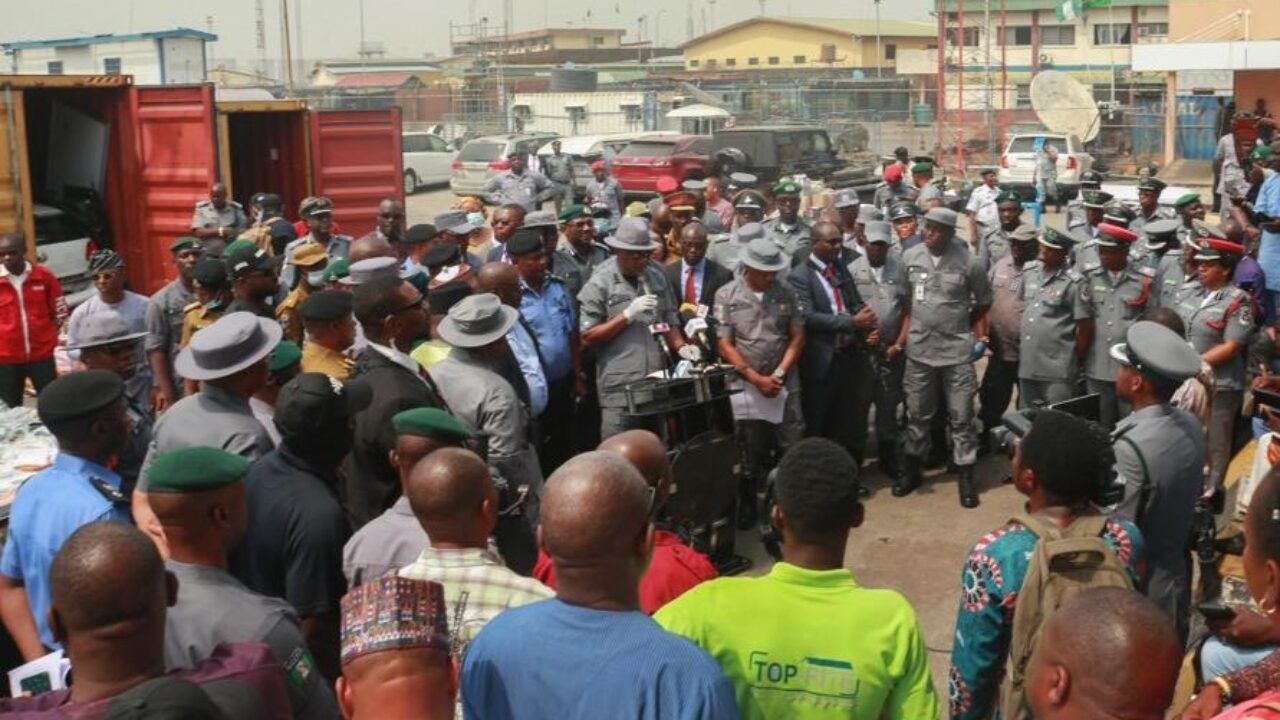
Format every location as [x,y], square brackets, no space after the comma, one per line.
[260,31]
[286,47]
[688,20]
[762,7]
[879,48]
[302,48]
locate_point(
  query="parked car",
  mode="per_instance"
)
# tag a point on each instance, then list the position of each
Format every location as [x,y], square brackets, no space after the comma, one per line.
[428,160]
[64,244]
[681,157]
[1018,163]
[771,152]
[484,157]
[586,149]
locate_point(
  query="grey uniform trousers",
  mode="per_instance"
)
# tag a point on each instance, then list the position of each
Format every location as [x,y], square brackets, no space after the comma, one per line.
[1037,393]
[960,383]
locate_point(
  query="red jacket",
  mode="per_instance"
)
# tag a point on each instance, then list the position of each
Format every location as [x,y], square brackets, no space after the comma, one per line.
[29,323]
[675,568]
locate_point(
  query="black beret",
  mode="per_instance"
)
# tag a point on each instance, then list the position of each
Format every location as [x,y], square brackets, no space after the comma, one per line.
[326,305]
[210,274]
[524,240]
[77,395]
[421,232]
[441,255]
[446,296]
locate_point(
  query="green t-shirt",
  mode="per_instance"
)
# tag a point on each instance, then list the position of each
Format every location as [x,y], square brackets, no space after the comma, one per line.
[810,644]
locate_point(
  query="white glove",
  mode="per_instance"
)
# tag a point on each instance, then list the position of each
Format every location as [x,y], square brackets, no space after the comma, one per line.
[642,305]
[690,352]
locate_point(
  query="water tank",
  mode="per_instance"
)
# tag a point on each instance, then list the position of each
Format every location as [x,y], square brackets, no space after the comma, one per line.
[573,80]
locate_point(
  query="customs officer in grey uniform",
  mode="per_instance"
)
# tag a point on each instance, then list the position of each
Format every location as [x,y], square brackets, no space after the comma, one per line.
[893,190]
[906,226]
[1160,454]
[995,240]
[1119,292]
[628,313]
[1189,209]
[948,299]
[603,189]
[197,494]
[166,311]
[1057,324]
[727,249]
[788,229]
[558,168]
[1164,256]
[1219,322]
[318,214]
[1149,209]
[760,332]
[928,192]
[1004,326]
[1089,180]
[1084,255]
[518,186]
[217,221]
[229,359]
[881,283]
[579,246]
[470,385]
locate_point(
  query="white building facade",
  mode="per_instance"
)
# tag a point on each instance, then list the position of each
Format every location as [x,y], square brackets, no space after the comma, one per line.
[154,58]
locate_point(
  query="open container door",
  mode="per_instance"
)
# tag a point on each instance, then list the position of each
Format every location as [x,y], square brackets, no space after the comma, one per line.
[173,128]
[263,147]
[15,183]
[356,161]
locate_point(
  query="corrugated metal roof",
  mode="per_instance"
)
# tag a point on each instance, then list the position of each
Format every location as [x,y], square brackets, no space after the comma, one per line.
[1024,5]
[836,26]
[382,79]
[182,32]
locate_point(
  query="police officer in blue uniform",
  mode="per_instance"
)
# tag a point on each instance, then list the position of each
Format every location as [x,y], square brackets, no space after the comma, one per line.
[86,412]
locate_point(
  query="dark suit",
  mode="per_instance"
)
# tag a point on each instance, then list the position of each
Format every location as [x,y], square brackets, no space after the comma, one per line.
[836,379]
[372,485]
[714,277]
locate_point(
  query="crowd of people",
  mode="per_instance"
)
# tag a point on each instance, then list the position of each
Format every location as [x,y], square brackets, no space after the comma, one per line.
[396,475]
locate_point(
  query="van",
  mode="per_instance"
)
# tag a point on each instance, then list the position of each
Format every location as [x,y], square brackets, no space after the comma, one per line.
[139,158]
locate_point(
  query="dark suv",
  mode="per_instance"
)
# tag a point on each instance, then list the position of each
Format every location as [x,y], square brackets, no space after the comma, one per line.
[774,151]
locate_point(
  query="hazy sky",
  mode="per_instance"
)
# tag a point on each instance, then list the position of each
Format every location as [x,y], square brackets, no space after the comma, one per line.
[331,28]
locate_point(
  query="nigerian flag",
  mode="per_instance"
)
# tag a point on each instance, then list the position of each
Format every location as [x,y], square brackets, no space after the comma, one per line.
[1072,10]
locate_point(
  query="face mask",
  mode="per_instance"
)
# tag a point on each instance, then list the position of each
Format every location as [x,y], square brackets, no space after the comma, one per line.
[214,305]
[475,218]
[602,226]
[316,279]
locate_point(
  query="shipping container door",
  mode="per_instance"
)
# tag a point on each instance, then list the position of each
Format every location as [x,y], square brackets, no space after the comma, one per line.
[15,183]
[356,162]
[173,134]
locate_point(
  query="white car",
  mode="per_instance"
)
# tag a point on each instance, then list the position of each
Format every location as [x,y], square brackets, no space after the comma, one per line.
[586,149]
[484,157]
[428,160]
[63,245]
[1018,163]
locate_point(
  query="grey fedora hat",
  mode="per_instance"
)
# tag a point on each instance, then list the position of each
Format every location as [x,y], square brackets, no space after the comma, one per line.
[234,342]
[361,272]
[540,219]
[476,321]
[632,234]
[103,329]
[762,254]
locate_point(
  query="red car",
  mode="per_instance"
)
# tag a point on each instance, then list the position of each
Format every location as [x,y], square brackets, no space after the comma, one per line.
[638,166]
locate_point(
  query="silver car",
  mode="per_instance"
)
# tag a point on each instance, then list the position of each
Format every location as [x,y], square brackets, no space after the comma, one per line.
[484,157]
[63,244]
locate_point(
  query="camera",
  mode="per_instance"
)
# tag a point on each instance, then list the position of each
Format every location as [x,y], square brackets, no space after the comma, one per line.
[1108,490]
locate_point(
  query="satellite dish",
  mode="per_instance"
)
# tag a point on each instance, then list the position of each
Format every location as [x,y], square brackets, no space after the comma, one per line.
[1064,105]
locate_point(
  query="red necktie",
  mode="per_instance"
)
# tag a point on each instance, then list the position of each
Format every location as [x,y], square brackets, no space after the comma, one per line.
[830,274]
[690,288]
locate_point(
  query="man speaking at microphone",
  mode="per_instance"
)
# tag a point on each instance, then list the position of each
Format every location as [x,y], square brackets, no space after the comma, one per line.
[628,312]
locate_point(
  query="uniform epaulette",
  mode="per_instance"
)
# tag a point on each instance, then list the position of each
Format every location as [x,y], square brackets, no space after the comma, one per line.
[204,203]
[1090,268]
[1032,264]
[236,204]
[1076,275]
[190,306]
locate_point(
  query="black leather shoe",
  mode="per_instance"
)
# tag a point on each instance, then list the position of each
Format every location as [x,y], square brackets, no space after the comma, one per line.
[889,459]
[968,488]
[910,478]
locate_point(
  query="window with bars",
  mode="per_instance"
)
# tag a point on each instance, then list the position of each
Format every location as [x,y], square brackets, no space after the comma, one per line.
[54,67]
[111,65]
[1058,35]
[1112,34]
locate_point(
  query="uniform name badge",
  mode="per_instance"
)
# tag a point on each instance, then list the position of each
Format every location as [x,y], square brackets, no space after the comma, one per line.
[920,291]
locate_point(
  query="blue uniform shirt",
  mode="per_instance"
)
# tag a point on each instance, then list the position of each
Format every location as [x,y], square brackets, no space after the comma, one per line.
[50,506]
[550,314]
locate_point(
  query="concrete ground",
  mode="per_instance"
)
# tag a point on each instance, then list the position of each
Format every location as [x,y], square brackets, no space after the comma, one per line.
[914,545]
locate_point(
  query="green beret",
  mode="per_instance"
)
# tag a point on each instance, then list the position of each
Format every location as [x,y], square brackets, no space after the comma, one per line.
[572,212]
[195,469]
[237,246]
[922,168]
[286,355]
[337,269]
[1008,196]
[430,422]
[1262,152]
[1186,200]
[786,187]
[186,242]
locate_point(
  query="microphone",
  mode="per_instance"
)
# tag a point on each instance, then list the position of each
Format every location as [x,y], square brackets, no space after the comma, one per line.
[696,330]
[658,329]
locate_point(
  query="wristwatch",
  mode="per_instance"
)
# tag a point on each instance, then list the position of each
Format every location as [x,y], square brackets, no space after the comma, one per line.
[780,374]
